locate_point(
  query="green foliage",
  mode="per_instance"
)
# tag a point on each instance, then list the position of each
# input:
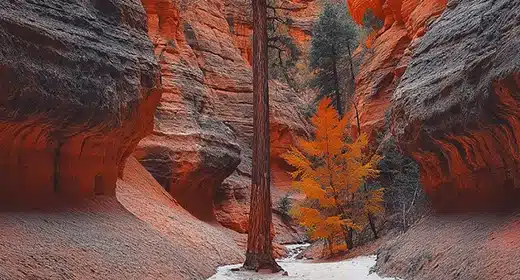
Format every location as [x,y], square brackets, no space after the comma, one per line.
[400,175]
[283,52]
[371,22]
[285,205]
[335,35]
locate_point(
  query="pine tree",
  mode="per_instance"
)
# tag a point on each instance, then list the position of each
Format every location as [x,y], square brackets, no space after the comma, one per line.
[283,52]
[330,172]
[259,253]
[334,38]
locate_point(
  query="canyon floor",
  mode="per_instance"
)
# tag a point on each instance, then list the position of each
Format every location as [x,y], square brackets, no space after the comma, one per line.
[358,268]
[140,234]
[476,246]
[144,234]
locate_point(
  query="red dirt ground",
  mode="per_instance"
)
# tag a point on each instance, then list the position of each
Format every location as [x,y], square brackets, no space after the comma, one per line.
[136,236]
[470,246]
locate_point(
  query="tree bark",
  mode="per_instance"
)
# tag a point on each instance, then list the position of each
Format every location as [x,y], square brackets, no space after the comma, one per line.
[331,245]
[339,106]
[259,253]
[372,225]
[350,242]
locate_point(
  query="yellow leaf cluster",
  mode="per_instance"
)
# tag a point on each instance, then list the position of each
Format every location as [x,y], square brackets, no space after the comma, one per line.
[330,171]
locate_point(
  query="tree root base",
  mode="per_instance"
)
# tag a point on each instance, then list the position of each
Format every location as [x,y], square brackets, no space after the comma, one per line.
[257,262]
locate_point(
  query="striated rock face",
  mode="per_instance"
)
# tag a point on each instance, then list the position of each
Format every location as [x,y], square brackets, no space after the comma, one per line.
[414,14]
[78,86]
[287,122]
[302,14]
[452,87]
[456,109]
[378,77]
[200,148]
[383,64]
[201,247]
[358,8]
[457,246]
[191,151]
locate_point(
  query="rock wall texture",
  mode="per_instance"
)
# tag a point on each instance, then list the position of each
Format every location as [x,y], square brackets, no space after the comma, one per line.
[200,148]
[383,64]
[456,109]
[302,14]
[201,247]
[78,83]
[457,246]
[447,86]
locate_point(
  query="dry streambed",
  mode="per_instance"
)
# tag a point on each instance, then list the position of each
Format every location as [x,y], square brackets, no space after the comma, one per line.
[355,269]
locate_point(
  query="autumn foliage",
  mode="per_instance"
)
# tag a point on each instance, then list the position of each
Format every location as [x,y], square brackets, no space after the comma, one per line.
[331,171]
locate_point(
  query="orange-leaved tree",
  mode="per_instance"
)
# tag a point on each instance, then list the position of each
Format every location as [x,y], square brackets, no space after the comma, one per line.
[329,171]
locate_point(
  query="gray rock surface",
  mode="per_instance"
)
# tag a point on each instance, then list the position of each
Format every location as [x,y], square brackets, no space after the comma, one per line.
[456,109]
[78,89]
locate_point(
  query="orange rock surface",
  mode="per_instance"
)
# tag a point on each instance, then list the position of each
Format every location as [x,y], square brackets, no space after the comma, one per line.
[477,168]
[77,100]
[302,14]
[200,148]
[388,56]
[413,13]
[141,233]
[77,95]
[456,108]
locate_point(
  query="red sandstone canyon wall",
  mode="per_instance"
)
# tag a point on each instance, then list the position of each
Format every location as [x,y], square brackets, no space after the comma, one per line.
[78,88]
[302,14]
[383,64]
[447,85]
[456,109]
[200,148]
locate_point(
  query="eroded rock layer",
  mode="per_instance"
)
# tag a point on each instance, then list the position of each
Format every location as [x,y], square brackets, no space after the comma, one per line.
[200,150]
[385,60]
[78,86]
[456,109]
[301,15]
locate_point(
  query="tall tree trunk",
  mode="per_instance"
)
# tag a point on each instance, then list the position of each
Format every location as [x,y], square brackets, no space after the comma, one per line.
[352,77]
[331,245]
[350,242]
[339,106]
[353,83]
[259,253]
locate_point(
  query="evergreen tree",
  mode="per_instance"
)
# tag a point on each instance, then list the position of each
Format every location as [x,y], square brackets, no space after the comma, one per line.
[334,38]
[283,52]
[371,22]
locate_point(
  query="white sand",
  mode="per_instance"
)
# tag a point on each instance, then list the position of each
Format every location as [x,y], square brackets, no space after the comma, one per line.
[352,269]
